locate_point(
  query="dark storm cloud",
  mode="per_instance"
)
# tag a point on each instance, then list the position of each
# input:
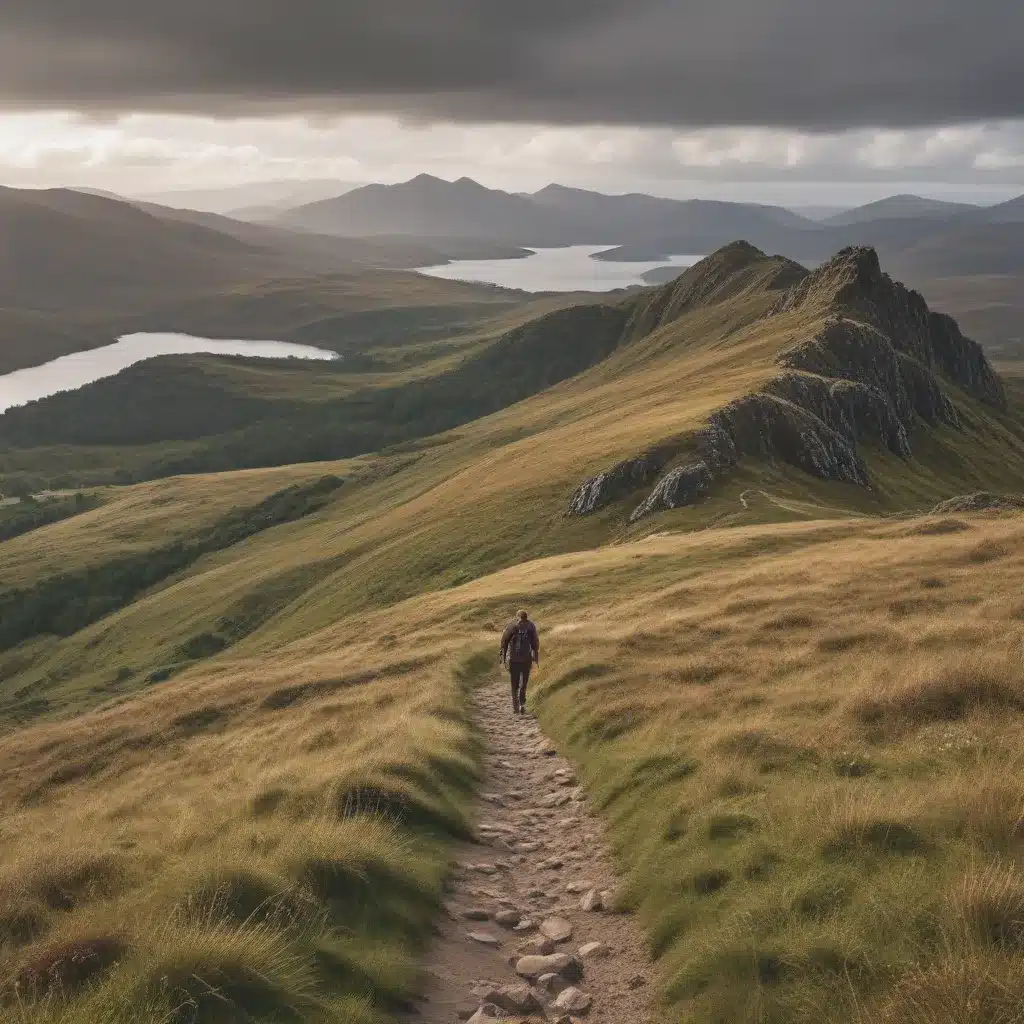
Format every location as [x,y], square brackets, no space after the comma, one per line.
[807,63]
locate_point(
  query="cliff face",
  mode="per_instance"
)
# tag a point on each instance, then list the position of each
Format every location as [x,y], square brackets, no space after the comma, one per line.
[872,373]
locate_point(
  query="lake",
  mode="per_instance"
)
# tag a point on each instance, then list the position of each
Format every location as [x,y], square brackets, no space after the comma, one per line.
[569,269]
[80,368]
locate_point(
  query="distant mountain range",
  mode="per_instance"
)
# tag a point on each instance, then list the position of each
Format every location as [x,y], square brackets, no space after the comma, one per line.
[258,198]
[556,215]
[77,267]
[917,236]
[901,207]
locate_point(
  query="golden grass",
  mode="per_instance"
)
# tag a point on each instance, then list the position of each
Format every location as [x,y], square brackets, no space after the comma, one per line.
[235,846]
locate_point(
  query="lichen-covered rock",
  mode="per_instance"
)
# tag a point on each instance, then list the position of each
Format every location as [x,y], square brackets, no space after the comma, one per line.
[679,487]
[615,483]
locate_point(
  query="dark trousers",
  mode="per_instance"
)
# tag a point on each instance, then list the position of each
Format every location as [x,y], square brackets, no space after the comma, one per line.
[520,672]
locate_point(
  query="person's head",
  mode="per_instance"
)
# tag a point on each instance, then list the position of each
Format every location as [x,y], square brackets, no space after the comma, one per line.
[522,615]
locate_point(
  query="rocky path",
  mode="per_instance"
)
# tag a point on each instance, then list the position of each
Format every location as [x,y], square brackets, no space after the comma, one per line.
[531,928]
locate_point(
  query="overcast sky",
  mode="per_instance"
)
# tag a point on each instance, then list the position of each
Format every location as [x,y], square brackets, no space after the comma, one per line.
[814,101]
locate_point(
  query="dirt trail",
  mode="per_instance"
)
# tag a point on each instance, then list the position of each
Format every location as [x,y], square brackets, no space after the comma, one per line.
[540,857]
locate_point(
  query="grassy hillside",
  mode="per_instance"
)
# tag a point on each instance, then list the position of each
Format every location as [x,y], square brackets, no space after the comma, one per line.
[77,270]
[768,693]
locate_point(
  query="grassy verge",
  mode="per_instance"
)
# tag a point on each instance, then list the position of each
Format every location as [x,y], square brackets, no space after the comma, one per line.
[236,852]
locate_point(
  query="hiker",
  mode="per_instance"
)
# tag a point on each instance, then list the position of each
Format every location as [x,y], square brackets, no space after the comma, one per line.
[520,648]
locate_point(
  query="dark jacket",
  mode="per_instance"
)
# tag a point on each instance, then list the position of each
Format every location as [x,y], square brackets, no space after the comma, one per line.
[534,642]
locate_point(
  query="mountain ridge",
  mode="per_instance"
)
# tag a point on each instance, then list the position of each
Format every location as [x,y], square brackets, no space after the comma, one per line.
[873,370]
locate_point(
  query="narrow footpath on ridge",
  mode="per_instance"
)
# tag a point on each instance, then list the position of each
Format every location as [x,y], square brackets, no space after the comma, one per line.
[531,929]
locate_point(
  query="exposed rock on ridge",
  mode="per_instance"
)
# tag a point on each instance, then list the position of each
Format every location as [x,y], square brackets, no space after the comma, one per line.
[853,285]
[866,376]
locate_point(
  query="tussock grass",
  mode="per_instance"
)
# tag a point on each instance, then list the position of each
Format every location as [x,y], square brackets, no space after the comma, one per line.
[225,863]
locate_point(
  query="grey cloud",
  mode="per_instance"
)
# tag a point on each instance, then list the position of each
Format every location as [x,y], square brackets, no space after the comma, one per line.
[816,64]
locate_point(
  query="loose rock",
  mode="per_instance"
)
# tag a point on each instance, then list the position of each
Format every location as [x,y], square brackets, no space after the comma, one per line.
[592,901]
[551,984]
[518,999]
[592,951]
[507,918]
[558,929]
[476,914]
[486,1012]
[485,938]
[572,1000]
[539,945]
[567,967]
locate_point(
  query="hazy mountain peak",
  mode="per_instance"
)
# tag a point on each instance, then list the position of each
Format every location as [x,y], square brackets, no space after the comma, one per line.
[904,205]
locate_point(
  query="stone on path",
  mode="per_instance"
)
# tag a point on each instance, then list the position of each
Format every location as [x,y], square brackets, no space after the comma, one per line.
[485,938]
[558,929]
[487,1012]
[507,918]
[476,914]
[637,981]
[551,984]
[539,945]
[575,887]
[527,924]
[592,951]
[572,1000]
[517,999]
[592,901]
[568,967]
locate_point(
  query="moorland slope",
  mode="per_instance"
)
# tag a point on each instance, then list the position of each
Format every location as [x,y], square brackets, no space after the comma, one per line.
[768,690]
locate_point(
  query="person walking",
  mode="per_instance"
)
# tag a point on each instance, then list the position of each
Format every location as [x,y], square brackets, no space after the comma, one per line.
[520,649]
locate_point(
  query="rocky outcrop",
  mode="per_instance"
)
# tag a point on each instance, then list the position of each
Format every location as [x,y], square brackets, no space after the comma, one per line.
[853,285]
[614,484]
[980,501]
[874,370]
[859,353]
[681,486]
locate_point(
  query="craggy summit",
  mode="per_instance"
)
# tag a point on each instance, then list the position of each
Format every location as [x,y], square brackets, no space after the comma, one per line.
[877,365]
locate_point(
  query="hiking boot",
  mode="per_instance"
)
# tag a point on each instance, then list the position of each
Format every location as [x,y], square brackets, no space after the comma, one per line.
[516,709]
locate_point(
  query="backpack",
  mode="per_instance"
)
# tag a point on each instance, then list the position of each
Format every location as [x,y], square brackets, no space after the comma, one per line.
[520,647]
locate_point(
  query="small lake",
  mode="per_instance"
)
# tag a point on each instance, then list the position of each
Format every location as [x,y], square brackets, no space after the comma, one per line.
[569,269]
[80,368]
